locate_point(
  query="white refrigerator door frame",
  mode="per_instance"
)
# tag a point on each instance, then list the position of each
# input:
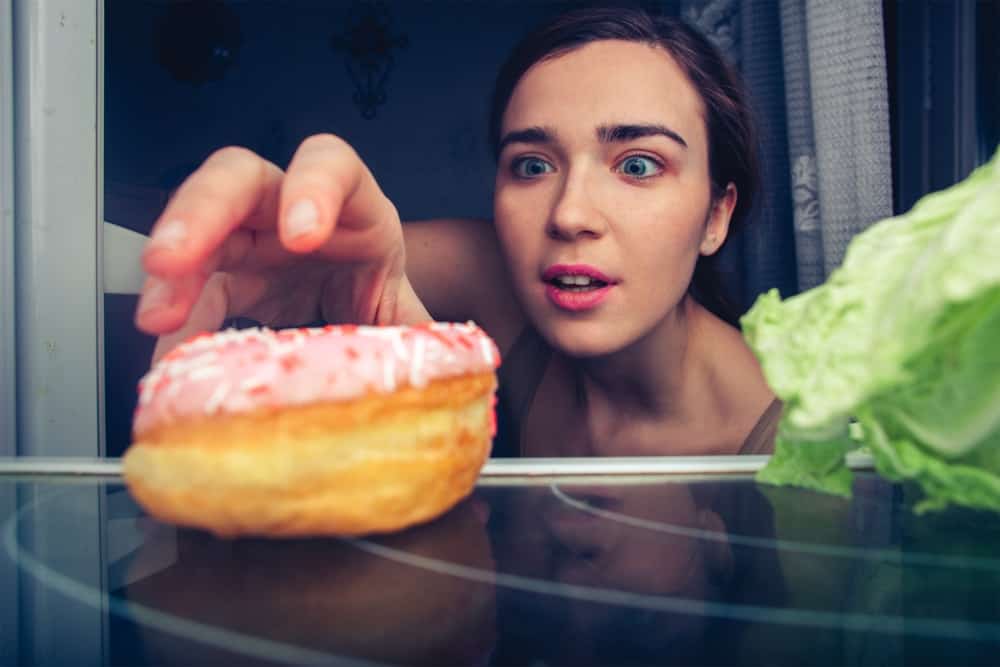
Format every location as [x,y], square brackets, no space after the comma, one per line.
[8,352]
[9,591]
[58,151]
[52,159]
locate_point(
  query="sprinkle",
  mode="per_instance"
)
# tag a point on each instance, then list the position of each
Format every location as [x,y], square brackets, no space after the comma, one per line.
[295,337]
[274,347]
[252,384]
[248,363]
[388,374]
[218,396]
[291,361]
[377,332]
[205,372]
[207,357]
[487,350]
[397,345]
[416,365]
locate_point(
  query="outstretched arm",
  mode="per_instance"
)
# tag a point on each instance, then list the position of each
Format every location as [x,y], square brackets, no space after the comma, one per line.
[319,241]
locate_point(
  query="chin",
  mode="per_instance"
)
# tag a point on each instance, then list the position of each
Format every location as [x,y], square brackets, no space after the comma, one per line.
[588,340]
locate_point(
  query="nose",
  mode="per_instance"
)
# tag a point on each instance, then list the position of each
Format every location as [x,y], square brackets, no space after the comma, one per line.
[575,214]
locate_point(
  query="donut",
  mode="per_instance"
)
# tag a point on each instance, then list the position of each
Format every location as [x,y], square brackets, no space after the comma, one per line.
[337,430]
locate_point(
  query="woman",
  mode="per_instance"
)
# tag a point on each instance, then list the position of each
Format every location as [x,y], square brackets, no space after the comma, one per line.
[625,156]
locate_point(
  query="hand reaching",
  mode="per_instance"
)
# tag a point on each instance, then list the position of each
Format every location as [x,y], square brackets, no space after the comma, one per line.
[242,238]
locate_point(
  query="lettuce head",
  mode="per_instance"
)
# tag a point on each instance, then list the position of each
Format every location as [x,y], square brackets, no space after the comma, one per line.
[897,352]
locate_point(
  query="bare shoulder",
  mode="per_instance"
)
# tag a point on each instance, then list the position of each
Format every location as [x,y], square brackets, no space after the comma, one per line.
[458,271]
[739,379]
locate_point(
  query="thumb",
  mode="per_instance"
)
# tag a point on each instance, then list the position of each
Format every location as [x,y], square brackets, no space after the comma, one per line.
[408,308]
[208,314]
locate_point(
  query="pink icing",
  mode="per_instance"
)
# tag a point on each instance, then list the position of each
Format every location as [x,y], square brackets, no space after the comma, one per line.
[234,372]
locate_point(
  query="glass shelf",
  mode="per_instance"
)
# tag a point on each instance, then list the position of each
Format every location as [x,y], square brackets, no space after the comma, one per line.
[576,563]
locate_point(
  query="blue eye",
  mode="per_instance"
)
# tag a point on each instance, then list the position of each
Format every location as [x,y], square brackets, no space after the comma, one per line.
[530,167]
[639,166]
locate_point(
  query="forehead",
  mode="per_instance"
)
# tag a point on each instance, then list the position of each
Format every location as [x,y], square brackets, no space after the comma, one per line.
[605,82]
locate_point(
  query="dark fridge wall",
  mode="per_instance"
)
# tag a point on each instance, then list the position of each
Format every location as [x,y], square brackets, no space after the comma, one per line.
[183,79]
[407,83]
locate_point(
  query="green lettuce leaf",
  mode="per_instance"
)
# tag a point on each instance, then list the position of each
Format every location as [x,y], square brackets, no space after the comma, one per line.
[819,465]
[903,337]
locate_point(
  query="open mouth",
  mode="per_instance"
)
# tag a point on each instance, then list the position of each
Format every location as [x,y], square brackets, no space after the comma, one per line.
[577,283]
[576,287]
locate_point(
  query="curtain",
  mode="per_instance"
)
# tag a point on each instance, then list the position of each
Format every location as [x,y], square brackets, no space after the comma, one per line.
[816,71]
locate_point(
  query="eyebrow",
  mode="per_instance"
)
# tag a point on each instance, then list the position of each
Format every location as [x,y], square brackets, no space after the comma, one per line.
[605,134]
[618,133]
[530,135]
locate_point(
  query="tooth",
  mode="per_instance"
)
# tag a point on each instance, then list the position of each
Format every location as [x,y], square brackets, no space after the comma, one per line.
[574,281]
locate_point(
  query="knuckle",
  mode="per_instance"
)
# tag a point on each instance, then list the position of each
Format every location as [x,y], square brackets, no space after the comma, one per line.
[210,203]
[215,294]
[327,165]
[230,155]
[207,195]
[219,188]
[231,161]
[328,151]
[325,141]
[236,250]
[390,208]
[316,178]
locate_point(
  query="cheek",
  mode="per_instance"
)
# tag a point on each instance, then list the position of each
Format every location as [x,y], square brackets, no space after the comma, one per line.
[514,224]
[666,239]
[504,224]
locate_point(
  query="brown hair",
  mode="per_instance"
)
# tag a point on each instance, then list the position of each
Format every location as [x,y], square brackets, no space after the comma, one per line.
[732,137]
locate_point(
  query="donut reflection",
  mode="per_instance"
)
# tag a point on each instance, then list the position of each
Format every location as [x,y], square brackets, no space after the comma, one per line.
[323,595]
[663,540]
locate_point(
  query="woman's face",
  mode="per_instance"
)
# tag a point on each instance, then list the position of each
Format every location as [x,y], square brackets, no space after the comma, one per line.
[603,193]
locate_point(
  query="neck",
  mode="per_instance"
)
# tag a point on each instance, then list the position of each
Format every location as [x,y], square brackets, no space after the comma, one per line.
[650,377]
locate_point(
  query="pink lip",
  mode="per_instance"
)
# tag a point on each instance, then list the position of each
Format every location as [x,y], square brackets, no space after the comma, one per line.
[557,270]
[576,301]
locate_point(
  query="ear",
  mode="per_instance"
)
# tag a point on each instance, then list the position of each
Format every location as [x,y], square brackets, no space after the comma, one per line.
[717,225]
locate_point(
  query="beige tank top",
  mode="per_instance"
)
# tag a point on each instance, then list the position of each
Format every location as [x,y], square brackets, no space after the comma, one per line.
[762,435]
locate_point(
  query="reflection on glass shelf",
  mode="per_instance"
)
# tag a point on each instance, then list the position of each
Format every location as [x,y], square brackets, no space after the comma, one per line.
[668,570]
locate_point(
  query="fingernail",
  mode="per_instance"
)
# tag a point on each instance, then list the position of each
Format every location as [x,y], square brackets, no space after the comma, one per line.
[302,218]
[170,235]
[156,294]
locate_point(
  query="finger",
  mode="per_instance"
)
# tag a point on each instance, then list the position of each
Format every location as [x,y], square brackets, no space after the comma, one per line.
[407,307]
[245,257]
[164,304]
[233,188]
[208,314]
[250,250]
[327,186]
